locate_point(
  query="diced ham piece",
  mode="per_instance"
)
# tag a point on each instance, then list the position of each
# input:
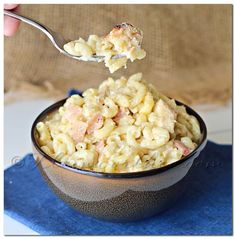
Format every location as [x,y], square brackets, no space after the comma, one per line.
[185,150]
[121,113]
[72,112]
[100,146]
[78,131]
[95,123]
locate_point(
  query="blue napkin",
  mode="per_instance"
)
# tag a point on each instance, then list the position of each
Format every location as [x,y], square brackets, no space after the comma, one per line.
[204,209]
[74,92]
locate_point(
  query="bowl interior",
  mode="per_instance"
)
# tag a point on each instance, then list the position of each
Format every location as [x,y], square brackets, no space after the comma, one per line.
[56,105]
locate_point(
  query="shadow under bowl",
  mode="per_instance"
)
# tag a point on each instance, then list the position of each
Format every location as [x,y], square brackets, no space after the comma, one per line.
[118,197]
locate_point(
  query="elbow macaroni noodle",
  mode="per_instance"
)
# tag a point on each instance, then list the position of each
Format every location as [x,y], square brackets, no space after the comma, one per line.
[123,126]
[124,39]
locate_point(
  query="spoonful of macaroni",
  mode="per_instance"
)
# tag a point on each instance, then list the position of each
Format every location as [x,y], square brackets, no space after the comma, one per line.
[121,44]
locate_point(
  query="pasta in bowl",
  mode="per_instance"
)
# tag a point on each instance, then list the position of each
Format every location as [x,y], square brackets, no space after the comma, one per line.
[123,126]
[115,148]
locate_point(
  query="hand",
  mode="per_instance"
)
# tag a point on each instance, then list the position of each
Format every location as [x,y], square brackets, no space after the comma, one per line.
[10,24]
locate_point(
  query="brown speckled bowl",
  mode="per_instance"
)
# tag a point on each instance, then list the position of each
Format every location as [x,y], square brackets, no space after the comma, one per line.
[120,196]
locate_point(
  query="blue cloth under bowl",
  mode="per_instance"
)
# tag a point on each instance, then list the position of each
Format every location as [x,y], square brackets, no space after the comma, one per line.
[204,209]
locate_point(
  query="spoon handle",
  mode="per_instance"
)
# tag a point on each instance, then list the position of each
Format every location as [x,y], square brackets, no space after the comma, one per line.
[31,22]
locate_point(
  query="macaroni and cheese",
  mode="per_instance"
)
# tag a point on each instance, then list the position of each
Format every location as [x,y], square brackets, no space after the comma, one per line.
[121,44]
[124,125]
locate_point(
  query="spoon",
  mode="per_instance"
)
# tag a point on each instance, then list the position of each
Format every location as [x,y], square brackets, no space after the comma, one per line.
[56,38]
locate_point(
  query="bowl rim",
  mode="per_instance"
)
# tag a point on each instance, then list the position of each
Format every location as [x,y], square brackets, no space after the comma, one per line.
[138,174]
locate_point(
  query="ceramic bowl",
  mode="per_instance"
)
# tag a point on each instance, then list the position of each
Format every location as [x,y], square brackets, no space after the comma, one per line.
[117,197]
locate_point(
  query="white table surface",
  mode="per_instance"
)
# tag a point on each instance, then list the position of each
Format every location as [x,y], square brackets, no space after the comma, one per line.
[18,118]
